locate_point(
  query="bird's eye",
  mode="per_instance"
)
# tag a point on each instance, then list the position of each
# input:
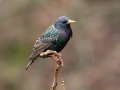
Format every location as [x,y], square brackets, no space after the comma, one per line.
[64,21]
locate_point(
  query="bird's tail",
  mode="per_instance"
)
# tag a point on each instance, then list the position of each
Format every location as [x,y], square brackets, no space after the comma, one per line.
[31,59]
[30,62]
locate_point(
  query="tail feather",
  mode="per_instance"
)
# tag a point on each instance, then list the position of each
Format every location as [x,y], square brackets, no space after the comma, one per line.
[30,62]
[31,59]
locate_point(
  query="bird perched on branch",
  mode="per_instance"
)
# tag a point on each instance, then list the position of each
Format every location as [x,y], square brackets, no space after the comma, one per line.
[52,41]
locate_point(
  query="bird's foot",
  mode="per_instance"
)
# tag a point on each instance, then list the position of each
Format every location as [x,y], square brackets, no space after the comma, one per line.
[54,55]
[50,52]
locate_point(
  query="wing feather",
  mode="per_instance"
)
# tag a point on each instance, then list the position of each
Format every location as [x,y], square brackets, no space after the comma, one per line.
[40,45]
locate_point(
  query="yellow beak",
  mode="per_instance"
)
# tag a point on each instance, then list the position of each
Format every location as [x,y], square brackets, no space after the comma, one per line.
[71,21]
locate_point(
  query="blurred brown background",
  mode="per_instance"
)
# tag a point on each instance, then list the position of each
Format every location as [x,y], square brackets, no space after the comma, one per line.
[91,58]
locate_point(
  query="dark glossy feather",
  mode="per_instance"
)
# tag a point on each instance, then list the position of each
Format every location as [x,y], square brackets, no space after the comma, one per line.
[54,38]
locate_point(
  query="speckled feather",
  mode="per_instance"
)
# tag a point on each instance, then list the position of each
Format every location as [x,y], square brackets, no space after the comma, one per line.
[54,38]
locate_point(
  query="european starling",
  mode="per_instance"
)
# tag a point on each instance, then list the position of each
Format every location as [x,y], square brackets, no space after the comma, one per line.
[53,40]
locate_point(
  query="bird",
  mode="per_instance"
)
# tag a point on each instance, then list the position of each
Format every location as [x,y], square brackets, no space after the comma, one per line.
[52,40]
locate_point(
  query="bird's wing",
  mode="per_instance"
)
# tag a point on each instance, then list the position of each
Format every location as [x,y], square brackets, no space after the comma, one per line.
[40,45]
[43,43]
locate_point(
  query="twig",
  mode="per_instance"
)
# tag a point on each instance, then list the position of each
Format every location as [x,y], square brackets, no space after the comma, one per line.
[63,85]
[57,70]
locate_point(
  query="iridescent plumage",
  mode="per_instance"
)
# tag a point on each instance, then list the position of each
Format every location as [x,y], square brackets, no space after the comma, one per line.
[54,38]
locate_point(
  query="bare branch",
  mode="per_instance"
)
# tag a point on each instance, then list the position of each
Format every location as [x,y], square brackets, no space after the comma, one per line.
[57,70]
[63,85]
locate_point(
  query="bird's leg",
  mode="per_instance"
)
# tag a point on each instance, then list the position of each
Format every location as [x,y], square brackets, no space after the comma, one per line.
[54,55]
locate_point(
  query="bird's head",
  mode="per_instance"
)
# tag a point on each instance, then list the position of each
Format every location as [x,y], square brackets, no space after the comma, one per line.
[63,22]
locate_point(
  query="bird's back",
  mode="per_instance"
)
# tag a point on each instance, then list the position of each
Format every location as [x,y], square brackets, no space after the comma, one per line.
[61,39]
